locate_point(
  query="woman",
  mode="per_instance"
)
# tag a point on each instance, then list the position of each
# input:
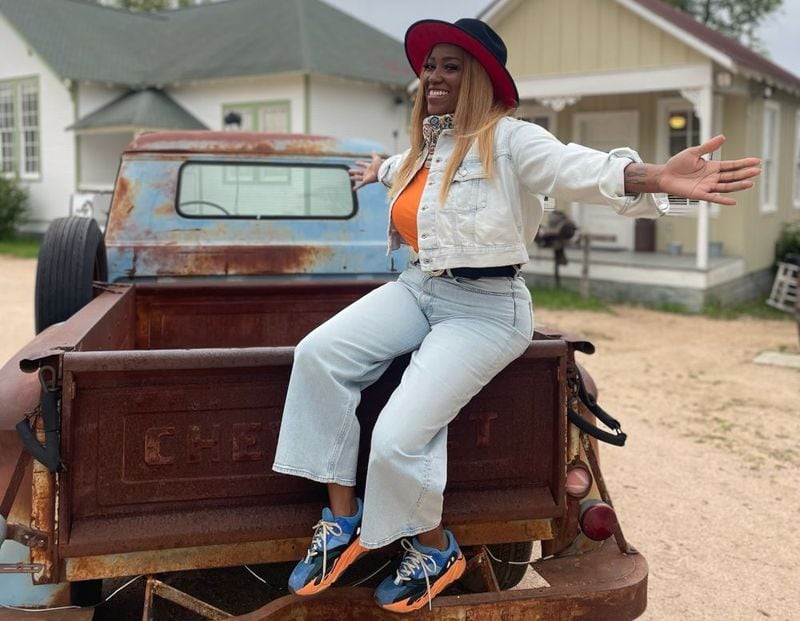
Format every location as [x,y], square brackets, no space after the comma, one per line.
[463,196]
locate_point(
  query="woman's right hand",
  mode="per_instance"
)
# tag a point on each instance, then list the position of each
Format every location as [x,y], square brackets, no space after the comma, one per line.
[367,172]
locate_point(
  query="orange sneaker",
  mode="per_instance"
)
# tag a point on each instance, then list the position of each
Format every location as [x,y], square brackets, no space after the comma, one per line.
[335,546]
[422,574]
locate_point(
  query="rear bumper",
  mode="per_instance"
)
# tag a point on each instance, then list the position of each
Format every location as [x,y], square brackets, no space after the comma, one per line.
[604,585]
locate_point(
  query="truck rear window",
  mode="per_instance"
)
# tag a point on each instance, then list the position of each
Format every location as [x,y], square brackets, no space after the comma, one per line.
[260,190]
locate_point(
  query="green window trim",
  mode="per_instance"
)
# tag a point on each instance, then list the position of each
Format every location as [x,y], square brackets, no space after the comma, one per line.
[21,123]
[253,114]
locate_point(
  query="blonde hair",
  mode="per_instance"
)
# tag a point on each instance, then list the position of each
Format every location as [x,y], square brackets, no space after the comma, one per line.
[475,116]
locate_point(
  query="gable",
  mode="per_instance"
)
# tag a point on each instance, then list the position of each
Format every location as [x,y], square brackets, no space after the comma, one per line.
[545,37]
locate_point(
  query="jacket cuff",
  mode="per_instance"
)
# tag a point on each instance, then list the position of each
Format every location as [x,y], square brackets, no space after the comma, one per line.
[612,185]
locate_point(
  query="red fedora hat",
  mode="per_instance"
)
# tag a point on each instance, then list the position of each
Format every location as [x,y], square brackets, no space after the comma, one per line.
[473,35]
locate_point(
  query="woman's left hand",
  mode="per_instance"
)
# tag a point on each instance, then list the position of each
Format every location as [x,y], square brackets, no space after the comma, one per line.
[691,175]
[367,172]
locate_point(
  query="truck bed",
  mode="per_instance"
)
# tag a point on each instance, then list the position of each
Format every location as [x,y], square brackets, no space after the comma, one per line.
[171,410]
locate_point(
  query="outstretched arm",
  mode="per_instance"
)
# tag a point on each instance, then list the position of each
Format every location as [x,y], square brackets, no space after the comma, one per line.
[367,172]
[690,175]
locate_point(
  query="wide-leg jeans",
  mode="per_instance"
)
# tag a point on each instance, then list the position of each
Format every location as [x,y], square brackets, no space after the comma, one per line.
[462,333]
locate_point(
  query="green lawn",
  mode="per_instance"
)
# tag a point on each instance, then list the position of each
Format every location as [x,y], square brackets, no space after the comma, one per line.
[22,247]
[564,299]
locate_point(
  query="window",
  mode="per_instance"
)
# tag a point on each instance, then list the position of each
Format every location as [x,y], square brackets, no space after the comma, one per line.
[796,187]
[212,190]
[268,116]
[20,153]
[682,131]
[769,157]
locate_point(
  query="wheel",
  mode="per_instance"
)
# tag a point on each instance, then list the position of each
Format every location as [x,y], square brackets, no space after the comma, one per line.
[72,257]
[507,575]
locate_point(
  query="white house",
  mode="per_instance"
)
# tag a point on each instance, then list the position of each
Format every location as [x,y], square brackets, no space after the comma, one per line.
[79,80]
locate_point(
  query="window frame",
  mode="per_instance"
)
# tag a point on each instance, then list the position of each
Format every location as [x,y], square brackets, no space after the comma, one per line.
[796,184]
[19,144]
[769,203]
[224,163]
[254,108]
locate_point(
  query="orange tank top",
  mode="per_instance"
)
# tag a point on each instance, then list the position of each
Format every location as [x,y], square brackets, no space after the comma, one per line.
[404,211]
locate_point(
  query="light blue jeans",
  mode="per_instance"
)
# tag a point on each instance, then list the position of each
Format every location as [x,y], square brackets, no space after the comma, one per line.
[462,333]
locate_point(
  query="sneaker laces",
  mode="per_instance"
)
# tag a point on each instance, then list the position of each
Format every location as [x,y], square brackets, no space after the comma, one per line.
[322,530]
[412,561]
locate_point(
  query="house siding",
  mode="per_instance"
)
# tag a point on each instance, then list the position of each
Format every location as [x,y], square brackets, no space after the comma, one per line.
[49,194]
[333,102]
[205,100]
[547,38]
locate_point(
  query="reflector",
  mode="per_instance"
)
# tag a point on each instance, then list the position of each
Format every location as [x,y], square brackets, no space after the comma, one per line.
[579,480]
[597,519]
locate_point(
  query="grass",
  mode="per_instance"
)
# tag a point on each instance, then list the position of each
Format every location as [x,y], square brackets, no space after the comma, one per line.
[564,299]
[23,247]
[756,309]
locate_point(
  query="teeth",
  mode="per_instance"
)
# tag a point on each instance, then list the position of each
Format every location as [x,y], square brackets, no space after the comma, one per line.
[437,93]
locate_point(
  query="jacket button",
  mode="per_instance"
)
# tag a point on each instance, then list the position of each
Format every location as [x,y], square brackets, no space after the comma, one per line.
[462,172]
[424,208]
[424,236]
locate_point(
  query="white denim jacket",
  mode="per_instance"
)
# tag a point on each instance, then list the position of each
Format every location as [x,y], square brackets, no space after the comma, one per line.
[485,223]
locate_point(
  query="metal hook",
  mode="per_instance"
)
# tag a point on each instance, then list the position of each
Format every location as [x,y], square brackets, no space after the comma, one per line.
[53,384]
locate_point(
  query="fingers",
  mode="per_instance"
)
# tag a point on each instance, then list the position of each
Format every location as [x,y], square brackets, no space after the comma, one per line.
[720,199]
[739,174]
[711,145]
[748,162]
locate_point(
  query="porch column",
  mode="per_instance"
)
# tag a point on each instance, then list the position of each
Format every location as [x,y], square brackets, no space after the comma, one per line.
[702,99]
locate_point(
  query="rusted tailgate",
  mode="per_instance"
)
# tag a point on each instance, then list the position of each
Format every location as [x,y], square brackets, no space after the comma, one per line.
[169,450]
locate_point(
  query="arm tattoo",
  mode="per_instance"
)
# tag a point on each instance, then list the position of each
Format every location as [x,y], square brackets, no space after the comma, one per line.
[635,175]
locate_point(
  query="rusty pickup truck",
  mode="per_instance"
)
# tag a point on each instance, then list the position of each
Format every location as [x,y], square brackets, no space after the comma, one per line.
[138,427]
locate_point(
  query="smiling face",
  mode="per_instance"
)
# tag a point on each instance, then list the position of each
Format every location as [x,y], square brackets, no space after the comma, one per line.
[441,78]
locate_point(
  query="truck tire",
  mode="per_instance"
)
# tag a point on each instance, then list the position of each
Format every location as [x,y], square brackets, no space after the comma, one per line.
[72,257]
[507,575]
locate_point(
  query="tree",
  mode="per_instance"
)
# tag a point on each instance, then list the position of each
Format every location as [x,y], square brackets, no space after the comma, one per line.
[739,19]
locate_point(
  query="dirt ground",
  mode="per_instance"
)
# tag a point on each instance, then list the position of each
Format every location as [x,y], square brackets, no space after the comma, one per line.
[707,486]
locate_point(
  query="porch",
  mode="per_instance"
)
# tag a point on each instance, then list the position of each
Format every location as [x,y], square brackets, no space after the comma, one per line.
[653,278]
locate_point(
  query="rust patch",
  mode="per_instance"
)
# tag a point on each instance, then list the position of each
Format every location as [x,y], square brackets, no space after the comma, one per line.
[121,201]
[166,209]
[216,142]
[232,260]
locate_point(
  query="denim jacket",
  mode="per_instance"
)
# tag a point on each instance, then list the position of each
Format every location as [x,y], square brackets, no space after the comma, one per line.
[485,223]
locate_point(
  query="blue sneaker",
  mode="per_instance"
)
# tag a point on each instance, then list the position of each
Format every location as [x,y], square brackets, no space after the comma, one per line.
[423,573]
[335,546]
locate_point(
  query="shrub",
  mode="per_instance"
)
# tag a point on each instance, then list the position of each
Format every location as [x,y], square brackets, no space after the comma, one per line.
[788,241]
[13,206]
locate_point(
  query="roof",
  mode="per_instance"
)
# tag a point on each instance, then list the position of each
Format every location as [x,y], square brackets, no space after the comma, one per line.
[740,54]
[704,39]
[146,109]
[250,143]
[82,40]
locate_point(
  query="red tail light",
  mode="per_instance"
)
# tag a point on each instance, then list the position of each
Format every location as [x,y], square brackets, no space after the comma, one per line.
[579,480]
[598,520]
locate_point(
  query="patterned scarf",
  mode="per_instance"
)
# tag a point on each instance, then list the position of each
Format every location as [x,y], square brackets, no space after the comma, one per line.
[432,127]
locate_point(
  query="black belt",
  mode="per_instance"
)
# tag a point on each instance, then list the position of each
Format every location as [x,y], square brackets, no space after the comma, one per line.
[473,273]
